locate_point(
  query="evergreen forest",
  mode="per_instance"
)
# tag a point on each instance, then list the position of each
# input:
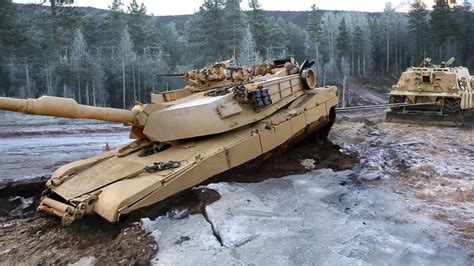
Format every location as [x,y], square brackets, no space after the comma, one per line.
[111,58]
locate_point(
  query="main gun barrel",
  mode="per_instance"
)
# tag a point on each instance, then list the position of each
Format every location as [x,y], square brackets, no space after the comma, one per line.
[171,75]
[67,108]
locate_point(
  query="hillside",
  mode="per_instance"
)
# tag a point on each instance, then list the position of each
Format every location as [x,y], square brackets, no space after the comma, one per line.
[300,18]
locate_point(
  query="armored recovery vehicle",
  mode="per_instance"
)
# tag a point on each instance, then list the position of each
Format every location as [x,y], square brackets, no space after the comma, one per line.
[438,94]
[225,118]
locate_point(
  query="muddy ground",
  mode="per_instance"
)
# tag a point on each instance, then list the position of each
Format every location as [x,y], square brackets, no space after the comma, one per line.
[31,238]
[428,164]
[433,164]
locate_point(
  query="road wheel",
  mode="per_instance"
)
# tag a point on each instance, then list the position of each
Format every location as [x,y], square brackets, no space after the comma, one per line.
[397,99]
[452,106]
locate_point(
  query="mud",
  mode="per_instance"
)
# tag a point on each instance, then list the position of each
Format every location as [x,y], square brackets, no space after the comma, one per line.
[30,238]
[434,164]
[42,240]
[27,237]
[326,155]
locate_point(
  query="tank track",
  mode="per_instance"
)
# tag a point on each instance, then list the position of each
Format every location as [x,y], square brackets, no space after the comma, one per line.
[426,118]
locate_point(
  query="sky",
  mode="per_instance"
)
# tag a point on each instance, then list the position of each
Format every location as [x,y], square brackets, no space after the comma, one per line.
[178,7]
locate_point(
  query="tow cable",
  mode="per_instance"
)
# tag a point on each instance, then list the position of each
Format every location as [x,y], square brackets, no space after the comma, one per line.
[383,106]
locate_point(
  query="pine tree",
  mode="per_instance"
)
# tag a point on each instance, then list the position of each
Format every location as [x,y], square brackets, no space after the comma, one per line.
[358,45]
[248,54]
[315,30]
[55,4]
[343,40]
[376,29]
[279,40]
[258,26]
[171,45]
[36,61]
[418,27]
[70,19]
[295,46]
[388,16]
[440,24]
[463,31]
[13,42]
[112,25]
[137,22]
[235,25]
[204,33]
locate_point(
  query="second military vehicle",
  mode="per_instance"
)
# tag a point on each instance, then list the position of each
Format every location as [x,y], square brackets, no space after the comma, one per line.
[226,117]
[437,94]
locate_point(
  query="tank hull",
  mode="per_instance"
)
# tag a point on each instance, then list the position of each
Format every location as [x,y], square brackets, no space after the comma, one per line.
[446,91]
[115,183]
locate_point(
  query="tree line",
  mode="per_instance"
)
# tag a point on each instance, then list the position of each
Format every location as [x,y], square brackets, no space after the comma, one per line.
[112,60]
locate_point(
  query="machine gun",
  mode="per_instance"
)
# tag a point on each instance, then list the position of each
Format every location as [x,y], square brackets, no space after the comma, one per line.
[218,75]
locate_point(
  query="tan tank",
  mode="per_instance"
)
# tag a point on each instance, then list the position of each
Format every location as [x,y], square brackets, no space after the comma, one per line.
[444,94]
[225,118]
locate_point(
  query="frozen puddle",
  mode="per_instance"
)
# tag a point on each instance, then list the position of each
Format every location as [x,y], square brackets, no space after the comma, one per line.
[319,218]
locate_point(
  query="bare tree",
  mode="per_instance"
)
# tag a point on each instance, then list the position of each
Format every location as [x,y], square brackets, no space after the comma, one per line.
[78,57]
[388,12]
[126,55]
[345,69]
[98,74]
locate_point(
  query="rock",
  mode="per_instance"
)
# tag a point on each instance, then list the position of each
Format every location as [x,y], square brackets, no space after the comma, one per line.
[369,177]
[308,163]
[178,214]
[85,261]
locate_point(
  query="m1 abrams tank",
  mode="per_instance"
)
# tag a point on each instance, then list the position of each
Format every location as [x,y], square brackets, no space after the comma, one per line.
[438,94]
[226,117]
